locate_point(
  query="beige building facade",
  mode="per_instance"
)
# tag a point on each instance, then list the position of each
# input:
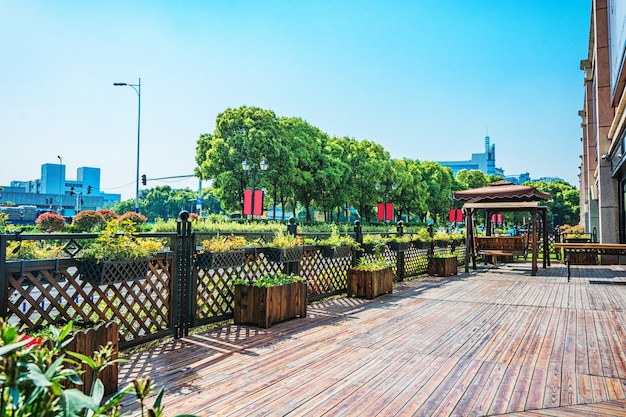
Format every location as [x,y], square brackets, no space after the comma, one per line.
[603,165]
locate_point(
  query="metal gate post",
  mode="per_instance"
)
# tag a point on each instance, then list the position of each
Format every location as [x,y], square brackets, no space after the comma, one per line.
[400,273]
[183,299]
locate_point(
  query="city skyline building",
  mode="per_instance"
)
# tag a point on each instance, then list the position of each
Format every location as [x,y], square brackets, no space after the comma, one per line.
[53,191]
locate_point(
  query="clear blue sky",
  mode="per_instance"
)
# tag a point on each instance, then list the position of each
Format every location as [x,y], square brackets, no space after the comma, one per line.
[425,79]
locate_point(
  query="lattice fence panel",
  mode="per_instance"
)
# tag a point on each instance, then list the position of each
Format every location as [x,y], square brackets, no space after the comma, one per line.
[415,261]
[39,294]
[215,292]
[325,275]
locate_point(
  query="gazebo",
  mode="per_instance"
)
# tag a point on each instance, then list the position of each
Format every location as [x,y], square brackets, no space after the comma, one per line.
[504,196]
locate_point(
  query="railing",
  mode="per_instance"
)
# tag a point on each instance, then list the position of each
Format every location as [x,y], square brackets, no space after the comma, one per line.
[177,293]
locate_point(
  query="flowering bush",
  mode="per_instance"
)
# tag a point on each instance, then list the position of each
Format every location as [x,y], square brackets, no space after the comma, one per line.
[108,214]
[111,247]
[87,220]
[50,222]
[135,218]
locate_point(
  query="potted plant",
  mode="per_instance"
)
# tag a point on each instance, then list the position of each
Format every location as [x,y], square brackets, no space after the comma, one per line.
[441,239]
[442,265]
[370,278]
[422,239]
[285,248]
[336,245]
[400,243]
[269,299]
[222,252]
[374,243]
[117,257]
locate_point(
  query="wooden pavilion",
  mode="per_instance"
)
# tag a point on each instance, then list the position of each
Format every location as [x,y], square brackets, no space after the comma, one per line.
[498,197]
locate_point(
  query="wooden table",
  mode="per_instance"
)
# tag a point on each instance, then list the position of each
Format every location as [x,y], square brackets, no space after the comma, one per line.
[592,248]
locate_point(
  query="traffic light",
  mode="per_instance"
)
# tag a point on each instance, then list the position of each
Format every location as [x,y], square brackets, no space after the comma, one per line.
[89,189]
[143,179]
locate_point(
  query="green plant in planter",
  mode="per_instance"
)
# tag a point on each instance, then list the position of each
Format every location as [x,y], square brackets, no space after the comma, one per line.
[225,243]
[28,249]
[441,236]
[375,241]
[286,241]
[422,235]
[335,239]
[267,280]
[442,255]
[372,264]
[111,247]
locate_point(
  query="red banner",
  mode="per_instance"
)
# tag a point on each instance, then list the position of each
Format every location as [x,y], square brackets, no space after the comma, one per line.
[456,216]
[258,202]
[385,211]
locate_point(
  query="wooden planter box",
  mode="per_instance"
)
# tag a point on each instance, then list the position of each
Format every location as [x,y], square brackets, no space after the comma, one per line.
[399,246]
[88,341]
[264,306]
[369,284]
[333,252]
[443,267]
[110,272]
[216,260]
[282,255]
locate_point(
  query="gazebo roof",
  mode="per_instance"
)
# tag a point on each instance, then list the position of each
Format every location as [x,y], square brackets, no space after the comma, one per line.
[502,191]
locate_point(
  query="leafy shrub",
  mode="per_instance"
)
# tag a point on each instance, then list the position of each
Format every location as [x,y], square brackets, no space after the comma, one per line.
[87,220]
[372,264]
[110,246]
[267,280]
[224,243]
[135,218]
[282,240]
[34,374]
[335,239]
[108,215]
[50,222]
[28,249]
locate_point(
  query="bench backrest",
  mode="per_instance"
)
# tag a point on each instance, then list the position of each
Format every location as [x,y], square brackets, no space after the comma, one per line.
[506,243]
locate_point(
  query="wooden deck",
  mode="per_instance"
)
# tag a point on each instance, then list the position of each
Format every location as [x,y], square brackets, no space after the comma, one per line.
[492,342]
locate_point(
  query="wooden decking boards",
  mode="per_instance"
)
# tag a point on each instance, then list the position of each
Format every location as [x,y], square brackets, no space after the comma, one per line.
[492,342]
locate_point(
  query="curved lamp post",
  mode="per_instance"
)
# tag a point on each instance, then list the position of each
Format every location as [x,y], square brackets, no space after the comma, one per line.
[137,88]
[252,171]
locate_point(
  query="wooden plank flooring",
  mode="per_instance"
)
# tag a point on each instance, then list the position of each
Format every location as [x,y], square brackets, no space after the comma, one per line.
[492,342]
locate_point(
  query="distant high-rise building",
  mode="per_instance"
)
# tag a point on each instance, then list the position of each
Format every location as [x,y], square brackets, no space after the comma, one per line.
[485,161]
[53,191]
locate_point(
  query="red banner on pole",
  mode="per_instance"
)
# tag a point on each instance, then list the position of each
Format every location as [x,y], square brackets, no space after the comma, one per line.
[258,202]
[385,211]
[247,202]
[456,216]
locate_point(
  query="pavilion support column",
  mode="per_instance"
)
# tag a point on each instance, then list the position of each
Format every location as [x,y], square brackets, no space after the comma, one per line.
[535,243]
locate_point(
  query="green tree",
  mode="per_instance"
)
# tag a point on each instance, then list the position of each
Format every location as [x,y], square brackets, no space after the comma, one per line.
[410,196]
[564,208]
[245,133]
[439,182]
[474,178]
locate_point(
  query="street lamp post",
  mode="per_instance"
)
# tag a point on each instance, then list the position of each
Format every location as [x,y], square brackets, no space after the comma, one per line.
[252,171]
[385,192]
[137,88]
[60,185]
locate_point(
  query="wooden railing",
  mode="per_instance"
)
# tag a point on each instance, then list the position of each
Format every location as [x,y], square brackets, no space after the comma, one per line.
[37,293]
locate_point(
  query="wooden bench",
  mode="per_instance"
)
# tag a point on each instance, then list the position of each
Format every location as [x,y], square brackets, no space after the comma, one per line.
[495,246]
[595,249]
